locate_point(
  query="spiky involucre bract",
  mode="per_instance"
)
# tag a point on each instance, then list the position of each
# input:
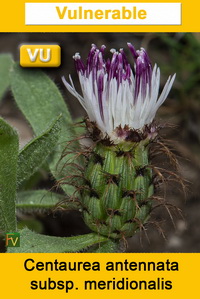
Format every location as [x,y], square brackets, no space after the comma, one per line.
[118,187]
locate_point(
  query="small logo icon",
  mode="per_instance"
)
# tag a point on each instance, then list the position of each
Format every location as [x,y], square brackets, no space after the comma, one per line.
[40,55]
[12,239]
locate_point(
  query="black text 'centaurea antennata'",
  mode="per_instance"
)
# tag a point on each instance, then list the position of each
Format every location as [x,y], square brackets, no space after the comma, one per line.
[121,103]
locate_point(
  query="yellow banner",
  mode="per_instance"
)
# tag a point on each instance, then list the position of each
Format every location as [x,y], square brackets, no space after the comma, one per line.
[132,275]
[100,16]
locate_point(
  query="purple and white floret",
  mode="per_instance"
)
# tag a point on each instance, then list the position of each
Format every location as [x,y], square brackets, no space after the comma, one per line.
[113,94]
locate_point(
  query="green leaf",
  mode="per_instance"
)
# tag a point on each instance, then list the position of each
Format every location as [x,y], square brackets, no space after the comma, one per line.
[35,153]
[38,97]
[31,223]
[8,172]
[109,246]
[43,200]
[40,101]
[80,127]
[34,243]
[5,64]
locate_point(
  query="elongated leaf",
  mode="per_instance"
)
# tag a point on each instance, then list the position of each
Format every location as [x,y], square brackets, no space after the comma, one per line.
[109,246]
[43,200]
[5,65]
[32,242]
[35,153]
[38,97]
[40,101]
[8,173]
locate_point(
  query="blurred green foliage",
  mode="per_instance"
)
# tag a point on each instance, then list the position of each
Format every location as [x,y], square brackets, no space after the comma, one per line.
[183,50]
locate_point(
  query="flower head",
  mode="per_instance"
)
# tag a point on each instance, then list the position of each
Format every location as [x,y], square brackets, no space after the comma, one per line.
[116,97]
